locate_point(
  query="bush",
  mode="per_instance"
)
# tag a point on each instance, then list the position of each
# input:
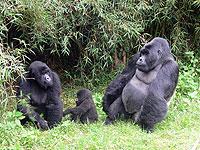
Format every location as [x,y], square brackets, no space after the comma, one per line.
[10,68]
[92,36]
[86,39]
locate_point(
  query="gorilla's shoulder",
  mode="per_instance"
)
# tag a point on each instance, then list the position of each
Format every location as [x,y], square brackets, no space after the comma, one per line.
[170,62]
[55,76]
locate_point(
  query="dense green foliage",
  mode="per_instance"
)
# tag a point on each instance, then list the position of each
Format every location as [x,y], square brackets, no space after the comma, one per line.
[87,33]
[10,68]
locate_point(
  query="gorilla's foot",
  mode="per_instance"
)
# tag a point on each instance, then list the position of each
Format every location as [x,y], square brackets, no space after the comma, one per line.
[147,128]
[108,121]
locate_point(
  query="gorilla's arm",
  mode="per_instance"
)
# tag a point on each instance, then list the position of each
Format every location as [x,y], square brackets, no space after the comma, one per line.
[116,86]
[166,80]
[23,92]
[79,110]
[160,92]
[54,108]
[54,91]
[32,115]
[54,114]
[173,70]
[154,110]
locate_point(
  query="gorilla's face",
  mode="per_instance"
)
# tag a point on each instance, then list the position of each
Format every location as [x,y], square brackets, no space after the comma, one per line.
[42,74]
[150,56]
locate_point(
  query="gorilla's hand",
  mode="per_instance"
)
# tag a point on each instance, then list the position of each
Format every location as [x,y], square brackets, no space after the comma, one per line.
[67,111]
[42,124]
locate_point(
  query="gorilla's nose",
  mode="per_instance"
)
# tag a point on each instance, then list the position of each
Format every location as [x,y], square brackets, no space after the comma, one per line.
[139,62]
[47,77]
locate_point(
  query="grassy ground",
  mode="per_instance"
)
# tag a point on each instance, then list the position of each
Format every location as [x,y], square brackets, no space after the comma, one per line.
[180,130]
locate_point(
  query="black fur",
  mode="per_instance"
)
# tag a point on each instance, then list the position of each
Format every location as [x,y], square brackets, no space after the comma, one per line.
[144,87]
[41,89]
[114,90]
[85,109]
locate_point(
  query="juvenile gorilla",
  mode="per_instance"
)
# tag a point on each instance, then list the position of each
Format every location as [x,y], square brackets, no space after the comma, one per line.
[144,87]
[85,109]
[41,88]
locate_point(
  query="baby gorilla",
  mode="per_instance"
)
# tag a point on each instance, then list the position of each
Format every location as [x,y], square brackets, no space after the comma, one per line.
[85,109]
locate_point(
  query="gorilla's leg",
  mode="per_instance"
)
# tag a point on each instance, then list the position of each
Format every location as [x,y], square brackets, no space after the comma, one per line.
[54,114]
[106,103]
[74,117]
[115,110]
[154,111]
[85,119]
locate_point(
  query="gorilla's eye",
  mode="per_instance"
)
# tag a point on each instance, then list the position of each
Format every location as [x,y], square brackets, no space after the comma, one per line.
[43,68]
[148,46]
[144,52]
[44,71]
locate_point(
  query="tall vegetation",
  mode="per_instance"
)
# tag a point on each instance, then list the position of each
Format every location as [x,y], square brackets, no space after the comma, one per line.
[11,66]
[87,37]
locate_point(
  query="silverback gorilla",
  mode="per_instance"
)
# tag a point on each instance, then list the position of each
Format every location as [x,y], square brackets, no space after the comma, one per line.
[144,87]
[41,89]
[85,109]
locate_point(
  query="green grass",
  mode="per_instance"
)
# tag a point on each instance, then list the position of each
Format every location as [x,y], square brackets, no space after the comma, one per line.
[180,130]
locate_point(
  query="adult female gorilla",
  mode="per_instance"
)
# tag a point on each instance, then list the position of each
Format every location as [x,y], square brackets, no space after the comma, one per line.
[41,89]
[144,87]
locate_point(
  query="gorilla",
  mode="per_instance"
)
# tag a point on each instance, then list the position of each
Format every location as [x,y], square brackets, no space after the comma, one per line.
[41,90]
[143,89]
[85,109]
